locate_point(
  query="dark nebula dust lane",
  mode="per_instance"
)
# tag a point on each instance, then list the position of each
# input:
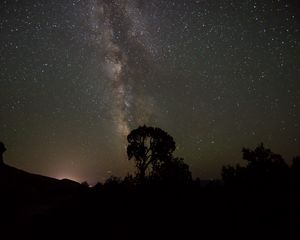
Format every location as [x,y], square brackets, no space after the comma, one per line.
[122,34]
[76,76]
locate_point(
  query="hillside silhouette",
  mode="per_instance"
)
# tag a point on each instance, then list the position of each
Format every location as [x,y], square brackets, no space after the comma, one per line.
[160,200]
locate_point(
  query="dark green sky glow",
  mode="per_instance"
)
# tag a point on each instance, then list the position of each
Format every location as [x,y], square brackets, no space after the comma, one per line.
[76,76]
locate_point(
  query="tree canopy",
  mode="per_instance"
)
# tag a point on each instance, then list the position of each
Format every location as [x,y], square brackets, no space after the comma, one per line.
[149,147]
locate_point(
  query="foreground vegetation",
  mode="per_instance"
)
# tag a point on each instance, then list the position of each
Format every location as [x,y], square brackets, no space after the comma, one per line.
[159,201]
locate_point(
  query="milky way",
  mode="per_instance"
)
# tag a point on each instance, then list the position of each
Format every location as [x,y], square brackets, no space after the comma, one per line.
[119,30]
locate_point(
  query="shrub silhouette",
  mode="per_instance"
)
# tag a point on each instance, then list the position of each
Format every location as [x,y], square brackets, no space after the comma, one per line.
[150,148]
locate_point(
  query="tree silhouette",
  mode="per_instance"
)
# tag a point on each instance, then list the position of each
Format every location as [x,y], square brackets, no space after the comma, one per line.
[149,147]
[264,164]
[295,171]
[263,168]
[174,172]
[2,150]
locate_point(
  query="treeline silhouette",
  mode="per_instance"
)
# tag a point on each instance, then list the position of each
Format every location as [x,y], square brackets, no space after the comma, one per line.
[264,170]
[161,200]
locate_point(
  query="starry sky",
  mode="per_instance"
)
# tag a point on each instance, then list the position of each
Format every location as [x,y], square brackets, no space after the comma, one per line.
[77,76]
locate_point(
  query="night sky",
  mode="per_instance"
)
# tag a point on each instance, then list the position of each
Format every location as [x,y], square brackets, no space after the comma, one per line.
[77,76]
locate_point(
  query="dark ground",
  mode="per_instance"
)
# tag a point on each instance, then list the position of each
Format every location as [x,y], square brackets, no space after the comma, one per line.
[37,207]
